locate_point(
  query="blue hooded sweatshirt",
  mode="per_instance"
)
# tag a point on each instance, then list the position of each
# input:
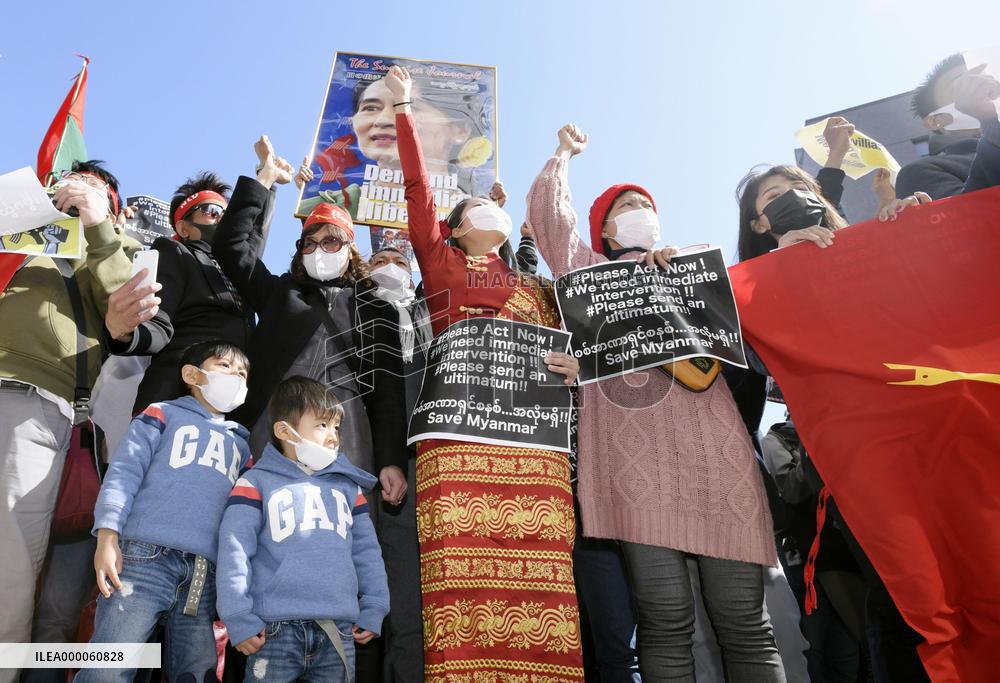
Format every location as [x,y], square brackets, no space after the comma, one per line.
[295,545]
[171,475]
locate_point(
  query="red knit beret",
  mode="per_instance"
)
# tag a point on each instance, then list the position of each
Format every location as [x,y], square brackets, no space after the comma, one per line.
[602,205]
[332,214]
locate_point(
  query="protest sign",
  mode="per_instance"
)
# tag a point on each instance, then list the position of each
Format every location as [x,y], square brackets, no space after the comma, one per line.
[24,204]
[151,219]
[865,154]
[354,154]
[61,239]
[486,382]
[625,317]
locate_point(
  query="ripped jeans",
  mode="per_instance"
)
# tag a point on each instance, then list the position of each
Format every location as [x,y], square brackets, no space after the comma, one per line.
[299,650]
[155,582]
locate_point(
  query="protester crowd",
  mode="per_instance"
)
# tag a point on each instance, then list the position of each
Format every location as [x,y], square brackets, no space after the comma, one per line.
[264,493]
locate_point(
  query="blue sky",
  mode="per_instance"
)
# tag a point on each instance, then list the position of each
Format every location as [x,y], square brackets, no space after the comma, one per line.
[680,97]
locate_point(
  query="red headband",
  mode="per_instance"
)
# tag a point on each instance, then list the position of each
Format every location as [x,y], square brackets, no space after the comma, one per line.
[196,199]
[332,214]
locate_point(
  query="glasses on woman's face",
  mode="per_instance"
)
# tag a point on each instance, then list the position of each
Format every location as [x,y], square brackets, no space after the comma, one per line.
[212,212]
[330,245]
[93,181]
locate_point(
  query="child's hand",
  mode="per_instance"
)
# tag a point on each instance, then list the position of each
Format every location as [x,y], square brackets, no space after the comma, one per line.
[362,637]
[108,562]
[252,644]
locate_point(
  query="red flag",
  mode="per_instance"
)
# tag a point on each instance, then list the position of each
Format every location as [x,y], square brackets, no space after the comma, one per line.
[61,146]
[887,349]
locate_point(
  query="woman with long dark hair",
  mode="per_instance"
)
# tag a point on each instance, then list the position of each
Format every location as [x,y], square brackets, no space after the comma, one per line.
[495,523]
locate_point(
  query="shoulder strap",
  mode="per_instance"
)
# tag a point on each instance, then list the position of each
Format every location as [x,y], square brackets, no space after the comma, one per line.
[81,394]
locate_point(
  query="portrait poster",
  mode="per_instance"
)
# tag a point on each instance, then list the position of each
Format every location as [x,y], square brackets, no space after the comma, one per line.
[354,156]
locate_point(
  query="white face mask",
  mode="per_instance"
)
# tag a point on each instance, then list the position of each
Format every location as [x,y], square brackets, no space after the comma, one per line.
[391,276]
[324,266]
[223,392]
[310,453]
[959,121]
[637,228]
[490,217]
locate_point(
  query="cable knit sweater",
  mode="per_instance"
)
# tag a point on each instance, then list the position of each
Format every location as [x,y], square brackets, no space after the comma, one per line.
[658,464]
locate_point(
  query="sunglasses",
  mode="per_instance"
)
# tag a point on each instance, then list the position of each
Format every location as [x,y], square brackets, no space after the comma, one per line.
[330,245]
[212,211]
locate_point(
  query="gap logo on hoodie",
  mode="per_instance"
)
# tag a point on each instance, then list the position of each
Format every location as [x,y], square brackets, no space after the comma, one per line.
[194,444]
[170,477]
[297,544]
[302,507]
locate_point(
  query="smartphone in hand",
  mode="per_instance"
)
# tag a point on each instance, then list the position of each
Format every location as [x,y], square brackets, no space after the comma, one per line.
[148,259]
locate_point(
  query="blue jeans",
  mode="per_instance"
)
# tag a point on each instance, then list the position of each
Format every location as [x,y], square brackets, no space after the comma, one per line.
[300,651]
[155,582]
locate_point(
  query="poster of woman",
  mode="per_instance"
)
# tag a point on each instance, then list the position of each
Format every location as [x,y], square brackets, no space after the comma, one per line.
[354,156]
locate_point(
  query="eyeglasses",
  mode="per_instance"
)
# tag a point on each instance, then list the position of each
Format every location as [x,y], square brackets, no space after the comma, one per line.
[93,181]
[330,245]
[212,211]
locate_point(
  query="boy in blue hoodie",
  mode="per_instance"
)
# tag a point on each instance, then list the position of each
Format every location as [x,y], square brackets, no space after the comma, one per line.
[300,576]
[157,517]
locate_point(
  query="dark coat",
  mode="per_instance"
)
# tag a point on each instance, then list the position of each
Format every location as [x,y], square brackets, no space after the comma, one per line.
[288,319]
[196,305]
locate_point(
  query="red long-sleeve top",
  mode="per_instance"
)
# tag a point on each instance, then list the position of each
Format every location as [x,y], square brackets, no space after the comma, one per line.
[456,286]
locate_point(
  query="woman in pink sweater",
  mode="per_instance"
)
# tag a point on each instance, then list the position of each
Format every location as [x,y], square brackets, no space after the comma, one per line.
[664,470]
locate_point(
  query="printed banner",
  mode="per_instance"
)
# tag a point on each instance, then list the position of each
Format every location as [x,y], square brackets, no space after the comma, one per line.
[865,154]
[625,317]
[151,219]
[486,382]
[386,238]
[354,154]
[61,239]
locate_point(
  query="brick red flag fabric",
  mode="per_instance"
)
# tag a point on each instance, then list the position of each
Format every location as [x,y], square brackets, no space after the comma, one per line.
[887,349]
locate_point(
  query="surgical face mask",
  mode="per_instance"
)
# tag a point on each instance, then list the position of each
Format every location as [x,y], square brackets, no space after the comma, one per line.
[223,392]
[637,228]
[490,217]
[795,210]
[959,121]
[310,453]
[324,266]
[391,276]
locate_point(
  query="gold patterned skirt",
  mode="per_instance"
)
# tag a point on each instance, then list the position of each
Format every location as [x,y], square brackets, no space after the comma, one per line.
[496,530]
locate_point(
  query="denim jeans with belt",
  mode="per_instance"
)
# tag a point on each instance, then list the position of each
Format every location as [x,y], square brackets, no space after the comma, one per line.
[734,598]
[300,651]
[155,582]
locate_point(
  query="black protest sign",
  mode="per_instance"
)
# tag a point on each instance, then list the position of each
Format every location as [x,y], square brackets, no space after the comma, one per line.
[626,317]
[486,382]
[151,219]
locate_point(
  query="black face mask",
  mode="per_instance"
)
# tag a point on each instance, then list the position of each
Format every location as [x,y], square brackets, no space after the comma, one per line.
[207,232]
[794,210]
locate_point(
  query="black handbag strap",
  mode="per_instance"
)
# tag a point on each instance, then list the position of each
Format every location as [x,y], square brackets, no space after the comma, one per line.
[81,394]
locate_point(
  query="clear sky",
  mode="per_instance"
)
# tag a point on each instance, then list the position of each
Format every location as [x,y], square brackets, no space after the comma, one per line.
[680,97]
